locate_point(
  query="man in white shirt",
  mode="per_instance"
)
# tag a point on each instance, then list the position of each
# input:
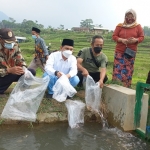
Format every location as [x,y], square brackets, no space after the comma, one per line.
[61,62]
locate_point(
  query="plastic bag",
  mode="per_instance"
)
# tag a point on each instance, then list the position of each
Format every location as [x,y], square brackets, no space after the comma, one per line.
[63,88]
[25,98]
[92,94]
[75,112]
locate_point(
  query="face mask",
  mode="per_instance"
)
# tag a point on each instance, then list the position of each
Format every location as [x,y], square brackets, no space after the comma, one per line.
[34,36]
[97,49]
[67,53]
[9,45]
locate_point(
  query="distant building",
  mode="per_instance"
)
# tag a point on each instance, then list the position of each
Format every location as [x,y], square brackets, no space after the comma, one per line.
[99,30]
[68,29]
[20,39]
[81,29]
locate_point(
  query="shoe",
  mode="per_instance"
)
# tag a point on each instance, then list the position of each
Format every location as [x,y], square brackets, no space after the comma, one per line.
[69,97]
[49,96]
[3,96]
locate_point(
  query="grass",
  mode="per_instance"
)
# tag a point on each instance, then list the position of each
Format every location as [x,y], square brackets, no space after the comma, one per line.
[142,61]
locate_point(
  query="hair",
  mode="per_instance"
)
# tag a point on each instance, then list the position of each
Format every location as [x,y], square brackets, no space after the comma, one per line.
[96,37]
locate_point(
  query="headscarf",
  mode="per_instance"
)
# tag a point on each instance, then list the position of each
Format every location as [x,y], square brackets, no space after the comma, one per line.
[124,24]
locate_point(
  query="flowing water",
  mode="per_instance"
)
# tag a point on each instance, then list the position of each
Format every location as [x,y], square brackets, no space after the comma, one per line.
[90,136]
[104,120]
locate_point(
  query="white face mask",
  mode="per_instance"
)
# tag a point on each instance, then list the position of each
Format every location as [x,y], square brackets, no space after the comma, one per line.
[9,45]
[67,53]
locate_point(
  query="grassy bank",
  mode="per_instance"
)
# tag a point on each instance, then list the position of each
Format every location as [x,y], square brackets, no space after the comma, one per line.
[142,62]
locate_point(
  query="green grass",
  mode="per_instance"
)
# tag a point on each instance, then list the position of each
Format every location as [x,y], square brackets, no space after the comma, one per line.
[81,40]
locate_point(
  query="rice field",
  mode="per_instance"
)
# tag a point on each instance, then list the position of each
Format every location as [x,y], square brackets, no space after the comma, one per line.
[81,40]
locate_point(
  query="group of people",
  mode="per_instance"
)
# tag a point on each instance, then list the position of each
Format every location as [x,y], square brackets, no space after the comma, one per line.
[89,61]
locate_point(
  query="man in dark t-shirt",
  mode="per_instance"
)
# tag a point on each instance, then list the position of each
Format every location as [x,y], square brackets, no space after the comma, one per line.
[92,61]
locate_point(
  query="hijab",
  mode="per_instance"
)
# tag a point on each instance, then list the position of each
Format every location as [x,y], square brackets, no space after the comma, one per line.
[125,24]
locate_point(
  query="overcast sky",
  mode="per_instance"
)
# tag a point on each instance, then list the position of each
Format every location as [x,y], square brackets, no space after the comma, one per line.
[69,13]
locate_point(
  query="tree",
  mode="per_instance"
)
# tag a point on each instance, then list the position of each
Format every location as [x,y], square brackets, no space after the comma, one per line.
[12,20]
[61,27]
[146,30]
[100,25]
[86,23]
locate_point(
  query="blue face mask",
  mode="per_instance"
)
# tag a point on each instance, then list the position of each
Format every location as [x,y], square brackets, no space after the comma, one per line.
[9,45]
[34,36]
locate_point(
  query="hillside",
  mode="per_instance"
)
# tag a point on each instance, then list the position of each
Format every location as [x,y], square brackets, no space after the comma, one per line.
[3,16]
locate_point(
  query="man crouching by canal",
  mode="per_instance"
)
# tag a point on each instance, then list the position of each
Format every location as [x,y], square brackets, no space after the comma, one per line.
[62,62]
[92,61]
[11,61]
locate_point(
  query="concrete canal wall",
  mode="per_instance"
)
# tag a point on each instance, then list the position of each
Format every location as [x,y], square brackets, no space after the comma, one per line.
[120,103]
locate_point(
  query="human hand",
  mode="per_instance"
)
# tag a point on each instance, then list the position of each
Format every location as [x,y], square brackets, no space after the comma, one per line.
[68,76]
[85,73]
[59,74]
[132,40]
[101,84]
[15,70]
[124,41]
[47,57]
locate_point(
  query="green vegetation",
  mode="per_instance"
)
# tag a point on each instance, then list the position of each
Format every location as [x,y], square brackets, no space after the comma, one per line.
[142,62]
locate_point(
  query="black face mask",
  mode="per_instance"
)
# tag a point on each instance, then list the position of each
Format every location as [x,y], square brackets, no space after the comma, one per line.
[97,49]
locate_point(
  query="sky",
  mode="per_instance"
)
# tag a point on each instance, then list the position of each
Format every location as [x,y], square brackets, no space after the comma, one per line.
[69,13]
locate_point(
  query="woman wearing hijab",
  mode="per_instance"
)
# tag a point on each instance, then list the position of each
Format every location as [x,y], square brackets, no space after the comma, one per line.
[126,35]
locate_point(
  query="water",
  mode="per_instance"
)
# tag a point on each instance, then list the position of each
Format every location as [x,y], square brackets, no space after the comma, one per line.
[60,136]
[104,121]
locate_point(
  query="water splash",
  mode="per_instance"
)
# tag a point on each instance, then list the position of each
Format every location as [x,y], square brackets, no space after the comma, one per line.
[104,120]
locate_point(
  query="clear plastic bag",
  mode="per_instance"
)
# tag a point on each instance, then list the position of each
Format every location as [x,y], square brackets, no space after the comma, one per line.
[75,112]
[25,98]
[63,88]
[92,94]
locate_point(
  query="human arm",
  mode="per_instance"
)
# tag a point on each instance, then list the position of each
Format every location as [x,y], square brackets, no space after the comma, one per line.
[73,67]
[81,68]
[45,50]
[117,36]
[49,67]
[13,70]
[102,76]
[139,37]
[15,60]
[103,70]
[19,63]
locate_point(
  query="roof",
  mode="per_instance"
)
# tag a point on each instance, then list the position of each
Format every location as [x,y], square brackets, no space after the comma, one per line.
[20,38]
[99,28]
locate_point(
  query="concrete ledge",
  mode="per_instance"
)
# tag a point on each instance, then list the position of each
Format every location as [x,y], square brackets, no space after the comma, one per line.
[120,102]
[51,111]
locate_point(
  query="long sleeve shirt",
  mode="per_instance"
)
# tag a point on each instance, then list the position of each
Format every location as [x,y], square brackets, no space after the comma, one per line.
[40,48]
[55,62]
[13,58]
[125,33]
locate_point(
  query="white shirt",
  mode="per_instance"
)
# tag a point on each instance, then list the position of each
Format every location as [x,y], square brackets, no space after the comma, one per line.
[55,62]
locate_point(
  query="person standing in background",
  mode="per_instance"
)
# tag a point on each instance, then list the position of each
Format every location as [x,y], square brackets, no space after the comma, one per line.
[126,35]
[41,52]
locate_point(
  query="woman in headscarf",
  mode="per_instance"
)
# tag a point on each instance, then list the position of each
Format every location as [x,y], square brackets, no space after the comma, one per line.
[127,34]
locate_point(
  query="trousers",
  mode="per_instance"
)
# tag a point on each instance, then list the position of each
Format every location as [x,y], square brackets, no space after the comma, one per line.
[94,75]
[7,80]
[73,81]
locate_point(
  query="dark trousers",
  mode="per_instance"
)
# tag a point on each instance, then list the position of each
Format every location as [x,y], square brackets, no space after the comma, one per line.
[7,80]
[148,78]
[94,75]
